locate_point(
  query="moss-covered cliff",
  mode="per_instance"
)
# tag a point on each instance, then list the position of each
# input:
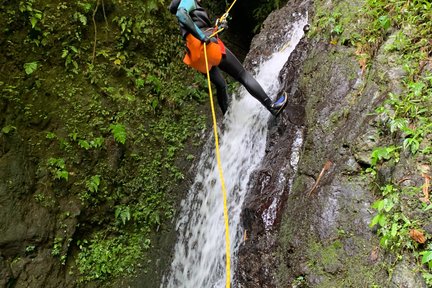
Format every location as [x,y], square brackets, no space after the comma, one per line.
[356,212]
[96,112]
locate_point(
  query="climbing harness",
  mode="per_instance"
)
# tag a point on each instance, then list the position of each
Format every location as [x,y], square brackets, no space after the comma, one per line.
[219,163]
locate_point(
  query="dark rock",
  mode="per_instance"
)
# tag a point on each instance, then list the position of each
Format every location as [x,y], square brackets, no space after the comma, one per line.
[25,224]
[428,228]
[404,276]
[263,207]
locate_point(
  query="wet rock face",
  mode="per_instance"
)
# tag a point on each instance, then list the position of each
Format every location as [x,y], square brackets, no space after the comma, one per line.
[307,213]
[264,205]
[27,224]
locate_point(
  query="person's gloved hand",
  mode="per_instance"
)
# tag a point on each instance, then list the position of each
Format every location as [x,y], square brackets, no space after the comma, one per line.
[223,24]
[208,40]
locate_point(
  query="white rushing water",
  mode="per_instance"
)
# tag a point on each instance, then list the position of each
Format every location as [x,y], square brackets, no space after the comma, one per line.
[199,259]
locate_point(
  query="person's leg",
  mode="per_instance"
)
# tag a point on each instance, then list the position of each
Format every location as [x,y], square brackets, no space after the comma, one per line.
[221,88]
[231,65]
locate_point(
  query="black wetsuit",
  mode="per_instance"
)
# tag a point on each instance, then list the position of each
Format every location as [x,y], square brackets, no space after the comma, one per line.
[194,19]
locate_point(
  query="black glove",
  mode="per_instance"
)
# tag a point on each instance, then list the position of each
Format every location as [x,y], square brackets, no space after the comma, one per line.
[208,40]
[223,24]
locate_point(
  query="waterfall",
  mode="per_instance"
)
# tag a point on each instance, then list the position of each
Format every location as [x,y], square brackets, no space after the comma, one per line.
[199,253]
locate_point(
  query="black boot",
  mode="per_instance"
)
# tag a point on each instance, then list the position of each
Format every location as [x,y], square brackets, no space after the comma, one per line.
[277,106]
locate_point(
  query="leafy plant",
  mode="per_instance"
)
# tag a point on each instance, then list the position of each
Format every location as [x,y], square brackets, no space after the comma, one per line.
[126,25]
[119,132]
[85,6]
[102,257]
[37,34]
[384,153]
[92,187]
[393,225]
[80,18]
[30,67]
[93,184]
[34,15]
[51,136]
[8,129]
[427,257]
[57,168]
[384,22]
[71,54]
[123,213]
[380,154]
[95,143]
[30,249]
[57,246]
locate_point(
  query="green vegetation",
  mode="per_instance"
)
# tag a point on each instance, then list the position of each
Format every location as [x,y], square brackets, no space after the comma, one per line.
[400,28]
[403,210]
[96,263]
[99,93]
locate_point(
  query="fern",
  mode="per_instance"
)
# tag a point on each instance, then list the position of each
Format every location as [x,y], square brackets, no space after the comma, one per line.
[119,133]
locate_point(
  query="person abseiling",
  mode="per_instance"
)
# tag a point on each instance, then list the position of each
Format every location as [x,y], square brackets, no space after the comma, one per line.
[196,28]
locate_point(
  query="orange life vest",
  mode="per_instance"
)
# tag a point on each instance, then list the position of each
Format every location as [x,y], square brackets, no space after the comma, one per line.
[195,55]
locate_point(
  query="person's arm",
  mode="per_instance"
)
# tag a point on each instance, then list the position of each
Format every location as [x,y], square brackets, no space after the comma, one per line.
[185,7]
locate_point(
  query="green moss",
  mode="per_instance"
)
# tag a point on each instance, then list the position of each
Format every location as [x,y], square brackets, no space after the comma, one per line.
[331,263]
[325,255]
[107,133]
[337,22]
[342,262]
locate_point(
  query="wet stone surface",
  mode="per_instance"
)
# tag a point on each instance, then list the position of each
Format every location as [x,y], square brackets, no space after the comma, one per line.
[318,237]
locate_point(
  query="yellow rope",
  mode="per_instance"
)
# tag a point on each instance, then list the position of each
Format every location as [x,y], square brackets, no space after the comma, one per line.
[224,192]
[219,163]
[223,17]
